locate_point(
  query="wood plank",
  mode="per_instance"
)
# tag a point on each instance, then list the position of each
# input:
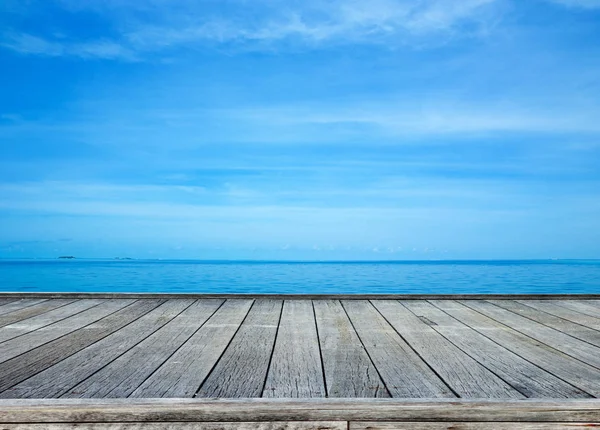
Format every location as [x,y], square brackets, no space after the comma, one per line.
[378,425]
[349,371]
[32,311]
[524,376]
[60,378]
[576,373]
[34,361]
[584,307]
[278,425]
[570,328]
[462,373]
[7,299]
[556,339]
[19,304]
[402,370]
[242,370]
[554,308]
[296,369]
[34,339]
[183,373]
[123,375]
[245,410]
[31,324]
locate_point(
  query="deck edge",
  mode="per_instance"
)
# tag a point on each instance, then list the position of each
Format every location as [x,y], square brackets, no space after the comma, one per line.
[260,410]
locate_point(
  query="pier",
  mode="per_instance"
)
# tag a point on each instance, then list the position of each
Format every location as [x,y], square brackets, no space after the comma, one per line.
[298,362]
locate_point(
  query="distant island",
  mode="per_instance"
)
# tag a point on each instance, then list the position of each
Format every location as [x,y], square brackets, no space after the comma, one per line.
[70,257]
[123,258]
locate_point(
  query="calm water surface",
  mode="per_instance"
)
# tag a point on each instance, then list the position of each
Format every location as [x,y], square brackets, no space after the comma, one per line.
[406,277]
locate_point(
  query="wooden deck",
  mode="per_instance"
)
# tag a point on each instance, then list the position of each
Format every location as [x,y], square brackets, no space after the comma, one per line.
[478,355]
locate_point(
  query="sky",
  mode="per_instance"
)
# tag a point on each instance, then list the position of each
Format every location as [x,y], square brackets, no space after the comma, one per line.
[312,130]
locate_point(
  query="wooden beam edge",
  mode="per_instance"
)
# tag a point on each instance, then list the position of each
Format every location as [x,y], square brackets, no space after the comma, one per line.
[260,410]
[74,295]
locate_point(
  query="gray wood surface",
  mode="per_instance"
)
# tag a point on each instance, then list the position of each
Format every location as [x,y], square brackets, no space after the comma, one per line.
[61,378]
[586,307]
[578,374]
[19,304]
[183,373]
[521,374]
[349,371]
[242,370]
[296,369]
[32,362]
[568,327]
[462,373]
[245,410]
[404,373]
[279,425]
[34,339]
[553,307]
[127,372]
[52,317]
[556,339]
[31,311]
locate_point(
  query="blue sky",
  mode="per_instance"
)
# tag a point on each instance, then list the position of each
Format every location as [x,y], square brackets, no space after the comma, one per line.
[387,129]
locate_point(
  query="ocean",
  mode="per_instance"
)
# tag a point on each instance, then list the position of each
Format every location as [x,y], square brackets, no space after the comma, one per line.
[266,277]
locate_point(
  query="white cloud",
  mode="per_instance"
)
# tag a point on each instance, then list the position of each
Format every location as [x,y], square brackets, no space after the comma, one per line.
[264,25]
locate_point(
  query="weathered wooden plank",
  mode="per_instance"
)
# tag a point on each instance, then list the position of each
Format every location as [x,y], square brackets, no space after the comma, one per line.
[379,425]
[296,369]
[349,371]
[556,339]
[279,425]
[6,299]
[462,373]
[34,339]
[257,410]
[554,308]
[123,375]
[402,370]
[32,311]
[34,361]
[183,373]
[523,375]
[568,327]
[60,378]
[242,370]
[31,324]
[584,307]
[19,304]
[576,373]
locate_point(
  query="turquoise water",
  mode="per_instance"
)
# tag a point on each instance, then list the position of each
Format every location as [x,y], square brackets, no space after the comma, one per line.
[405,277]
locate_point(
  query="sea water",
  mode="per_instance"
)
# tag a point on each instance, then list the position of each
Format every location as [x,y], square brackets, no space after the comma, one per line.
[253,277]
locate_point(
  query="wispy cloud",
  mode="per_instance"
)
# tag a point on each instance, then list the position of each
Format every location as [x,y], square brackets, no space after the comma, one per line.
[263,25]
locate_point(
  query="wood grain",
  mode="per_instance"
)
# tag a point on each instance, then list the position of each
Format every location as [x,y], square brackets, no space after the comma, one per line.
[576,373]
[521,374]
[35,361]
[31,311]
[52,317]
[296,369]
[404,373]
[462,373]
[349,371]
[183,373]
[279,425]
[257,410]
[242,370]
